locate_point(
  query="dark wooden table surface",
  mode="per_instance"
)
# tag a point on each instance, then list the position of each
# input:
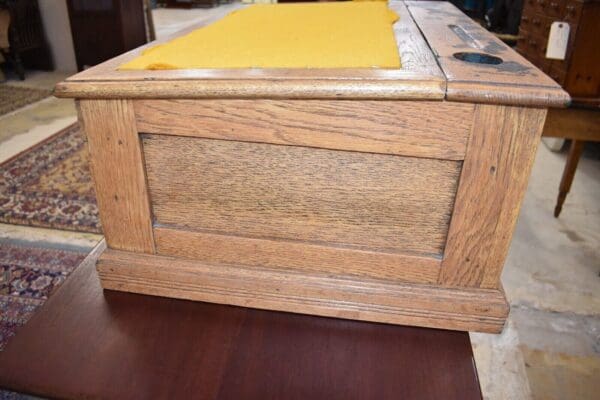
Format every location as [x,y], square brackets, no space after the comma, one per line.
[86,343]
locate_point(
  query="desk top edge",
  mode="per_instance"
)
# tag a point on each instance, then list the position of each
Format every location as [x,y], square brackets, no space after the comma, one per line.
[428,72]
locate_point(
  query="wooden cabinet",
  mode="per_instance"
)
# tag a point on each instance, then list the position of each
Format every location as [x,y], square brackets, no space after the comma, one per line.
[579,73]
[103,29]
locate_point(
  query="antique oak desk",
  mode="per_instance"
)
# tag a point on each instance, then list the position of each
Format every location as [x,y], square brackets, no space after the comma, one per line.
[386,195]
[86,344]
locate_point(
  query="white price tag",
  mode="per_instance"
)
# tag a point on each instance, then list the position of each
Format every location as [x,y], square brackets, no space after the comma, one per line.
[558,40]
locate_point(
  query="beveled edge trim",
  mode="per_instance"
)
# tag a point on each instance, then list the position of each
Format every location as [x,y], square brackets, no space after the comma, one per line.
[251,89]
[496,93]
[482,310]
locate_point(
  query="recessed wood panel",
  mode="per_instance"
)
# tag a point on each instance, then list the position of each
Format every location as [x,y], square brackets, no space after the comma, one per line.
[359,200]
[388,302]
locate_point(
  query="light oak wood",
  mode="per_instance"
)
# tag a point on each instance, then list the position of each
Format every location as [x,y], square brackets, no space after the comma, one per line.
[118,171]
[515,81]
[423,305]
[360,200]
[415,54]
[492,184]
[316,88]
[277,254]
[388,127]
[491,93]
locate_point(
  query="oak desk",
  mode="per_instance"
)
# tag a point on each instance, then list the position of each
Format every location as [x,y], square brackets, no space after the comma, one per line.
[86,343]
[386,195]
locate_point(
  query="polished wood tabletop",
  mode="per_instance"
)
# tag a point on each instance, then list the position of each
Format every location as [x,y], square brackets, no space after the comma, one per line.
[90,343]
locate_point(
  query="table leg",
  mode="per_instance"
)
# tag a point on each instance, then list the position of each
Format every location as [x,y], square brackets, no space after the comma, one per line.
[568,174]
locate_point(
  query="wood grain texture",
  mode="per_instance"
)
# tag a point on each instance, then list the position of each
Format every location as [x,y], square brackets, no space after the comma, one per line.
[515,81]
[252,88]
[415,54]
[360,200]
[193,350]
[494,177]
[409,304]
[118,170]
[276,254]
[390,127]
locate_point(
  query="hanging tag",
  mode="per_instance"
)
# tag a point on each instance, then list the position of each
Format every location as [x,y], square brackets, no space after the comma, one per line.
[558,40]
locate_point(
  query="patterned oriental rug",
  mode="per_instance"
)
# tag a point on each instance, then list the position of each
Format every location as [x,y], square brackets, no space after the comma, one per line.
[28,276]
[49,185]
[15,97]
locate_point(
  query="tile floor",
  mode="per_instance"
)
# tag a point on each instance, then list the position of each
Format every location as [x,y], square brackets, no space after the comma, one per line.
[550,347]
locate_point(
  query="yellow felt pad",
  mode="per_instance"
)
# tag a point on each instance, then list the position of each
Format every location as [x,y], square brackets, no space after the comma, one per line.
[296,35]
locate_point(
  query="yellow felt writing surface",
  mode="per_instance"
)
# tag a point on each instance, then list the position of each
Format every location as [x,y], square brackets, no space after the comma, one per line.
[296,35]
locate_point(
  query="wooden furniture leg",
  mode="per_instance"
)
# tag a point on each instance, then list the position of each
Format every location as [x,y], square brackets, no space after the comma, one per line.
[580,125]
[568,174]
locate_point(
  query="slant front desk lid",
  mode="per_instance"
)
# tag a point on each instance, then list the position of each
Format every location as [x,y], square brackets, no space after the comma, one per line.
[444,55]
